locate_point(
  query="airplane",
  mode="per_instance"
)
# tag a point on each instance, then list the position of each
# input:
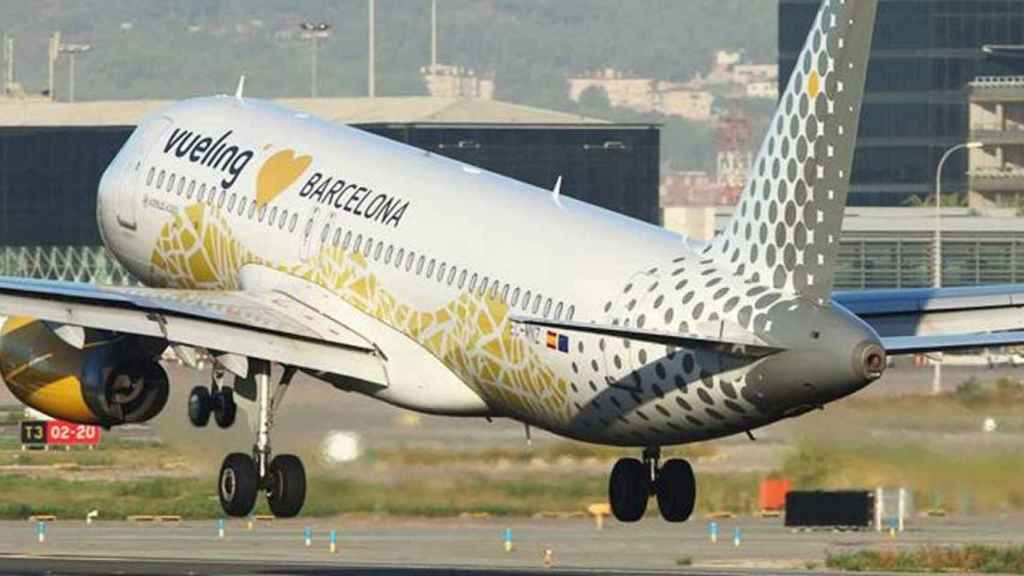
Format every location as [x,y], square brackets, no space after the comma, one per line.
[277,243]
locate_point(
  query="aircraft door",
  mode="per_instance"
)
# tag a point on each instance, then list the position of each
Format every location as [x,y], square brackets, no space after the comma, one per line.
[132,170]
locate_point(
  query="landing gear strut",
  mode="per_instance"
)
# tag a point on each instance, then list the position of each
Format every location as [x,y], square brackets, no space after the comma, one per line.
[218,400]
[633,482]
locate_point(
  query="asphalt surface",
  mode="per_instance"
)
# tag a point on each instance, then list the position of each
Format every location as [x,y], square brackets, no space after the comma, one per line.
[459,546]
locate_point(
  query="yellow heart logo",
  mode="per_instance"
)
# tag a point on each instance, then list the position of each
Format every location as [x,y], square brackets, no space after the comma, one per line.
[279,172]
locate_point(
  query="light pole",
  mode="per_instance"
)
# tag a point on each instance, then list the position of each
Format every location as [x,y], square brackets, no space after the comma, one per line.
[314,32]
[71,50]
[937,272]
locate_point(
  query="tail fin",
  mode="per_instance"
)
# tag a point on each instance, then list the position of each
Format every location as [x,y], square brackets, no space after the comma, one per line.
[785,232]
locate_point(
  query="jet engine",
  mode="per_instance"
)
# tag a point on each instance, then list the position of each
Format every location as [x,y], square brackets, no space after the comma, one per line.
[105,378]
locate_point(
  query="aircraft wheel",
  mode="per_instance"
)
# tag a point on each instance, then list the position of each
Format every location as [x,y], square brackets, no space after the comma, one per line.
[629,488]
[225,408]
[286,486]
[238,484]
[199,406]
[677,490]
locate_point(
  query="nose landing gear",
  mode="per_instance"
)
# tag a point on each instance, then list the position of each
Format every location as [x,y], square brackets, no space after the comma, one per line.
[218,400]
[633,482]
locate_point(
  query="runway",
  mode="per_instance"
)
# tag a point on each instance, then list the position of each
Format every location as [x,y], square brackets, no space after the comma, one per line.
[458,546]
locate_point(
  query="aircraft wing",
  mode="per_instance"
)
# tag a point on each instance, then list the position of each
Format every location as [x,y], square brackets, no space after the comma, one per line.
[270,325]
[937,319]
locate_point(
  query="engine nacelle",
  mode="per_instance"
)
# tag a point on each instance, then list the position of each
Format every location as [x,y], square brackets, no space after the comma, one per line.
[113,379]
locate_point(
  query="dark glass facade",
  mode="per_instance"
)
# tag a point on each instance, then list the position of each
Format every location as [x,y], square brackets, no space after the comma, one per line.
[49,175]
[924,54]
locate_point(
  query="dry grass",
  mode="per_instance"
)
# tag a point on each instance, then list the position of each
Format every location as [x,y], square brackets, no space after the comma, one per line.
[975,558]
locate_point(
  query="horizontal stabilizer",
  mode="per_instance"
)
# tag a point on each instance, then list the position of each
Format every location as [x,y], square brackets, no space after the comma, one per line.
[896,345]
[727,339]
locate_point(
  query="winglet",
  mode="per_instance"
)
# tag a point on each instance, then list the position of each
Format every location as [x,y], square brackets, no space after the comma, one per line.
[241,87]
[556,192]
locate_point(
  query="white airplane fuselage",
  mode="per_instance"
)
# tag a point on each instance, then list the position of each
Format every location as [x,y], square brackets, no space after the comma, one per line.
[440,259]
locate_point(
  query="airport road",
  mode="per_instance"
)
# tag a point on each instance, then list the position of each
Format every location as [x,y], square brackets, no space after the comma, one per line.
[456,546]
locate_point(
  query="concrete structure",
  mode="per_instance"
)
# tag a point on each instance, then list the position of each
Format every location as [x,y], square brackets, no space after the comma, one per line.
[925,53]
[445,81]
[52,156]
[690,104]
[997,120]
[892,248]
[646,94]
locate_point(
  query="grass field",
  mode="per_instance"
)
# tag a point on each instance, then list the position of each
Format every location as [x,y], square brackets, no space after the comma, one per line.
[958,559]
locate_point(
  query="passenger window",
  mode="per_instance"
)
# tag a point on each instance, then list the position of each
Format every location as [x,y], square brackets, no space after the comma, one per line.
[547,307]
[149,178]
[399,257]
[231,203]
[410,261]
[451,274]
[368,247]
[526,301]
[430,269]
[191,189]
[440,272]
[419,265]
[376,253]
[558,311]
[483,286]
[273,215]
[387,255]
[295,220]
[536,303]
[571,312]
[472,283]
[170,183]
[325,233]
[494,289]
[462,279]
[223,196]
[263,213]
[348,240]
[337,237]
[202,193]
[358,244]
[515,297]
[504,294]
[252,210]
[160,180]
[241,205]
[181,185]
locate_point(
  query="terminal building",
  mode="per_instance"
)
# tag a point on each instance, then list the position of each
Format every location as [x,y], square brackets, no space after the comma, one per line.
[925,54]
[53,154]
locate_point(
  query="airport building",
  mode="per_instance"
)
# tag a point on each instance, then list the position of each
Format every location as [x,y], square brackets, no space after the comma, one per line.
[53,154]
[996,171]
[925,55]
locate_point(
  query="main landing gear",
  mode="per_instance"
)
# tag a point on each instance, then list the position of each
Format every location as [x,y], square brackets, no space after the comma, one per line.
[633,482]
[242,476]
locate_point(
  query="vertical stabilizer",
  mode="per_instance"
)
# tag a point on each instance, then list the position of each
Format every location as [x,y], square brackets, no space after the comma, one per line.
[785,232]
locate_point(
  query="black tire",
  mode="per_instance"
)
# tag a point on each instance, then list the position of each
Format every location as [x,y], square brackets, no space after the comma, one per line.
[629,488]
[286,486]
[225,408]
[677,490]
[199,406]
[238,484]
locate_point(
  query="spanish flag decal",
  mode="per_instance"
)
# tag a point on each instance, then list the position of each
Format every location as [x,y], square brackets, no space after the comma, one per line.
[557,341]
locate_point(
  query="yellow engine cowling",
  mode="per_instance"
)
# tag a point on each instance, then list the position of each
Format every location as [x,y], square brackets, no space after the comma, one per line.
[113,379]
